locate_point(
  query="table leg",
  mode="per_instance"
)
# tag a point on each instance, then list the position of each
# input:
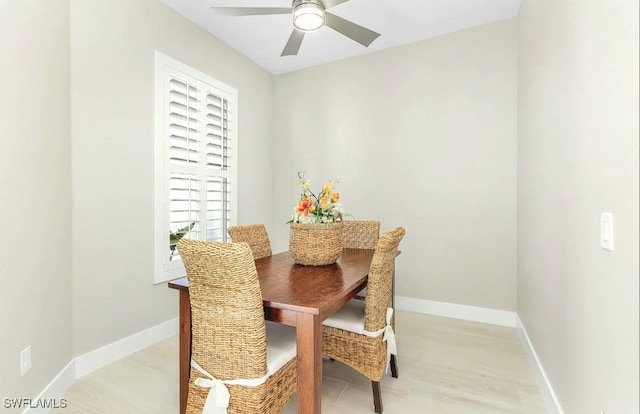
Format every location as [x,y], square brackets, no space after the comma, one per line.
[309,342]
[185,348]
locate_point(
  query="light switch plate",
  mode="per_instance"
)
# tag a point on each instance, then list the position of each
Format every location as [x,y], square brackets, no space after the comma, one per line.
[606,231]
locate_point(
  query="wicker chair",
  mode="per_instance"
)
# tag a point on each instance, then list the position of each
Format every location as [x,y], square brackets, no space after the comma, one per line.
[231,342]
[354,334]
[360,234]
[255,235]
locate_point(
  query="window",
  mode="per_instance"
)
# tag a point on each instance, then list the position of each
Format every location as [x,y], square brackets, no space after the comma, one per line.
[195,161]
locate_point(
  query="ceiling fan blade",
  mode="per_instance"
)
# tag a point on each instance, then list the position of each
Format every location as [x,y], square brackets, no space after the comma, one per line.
[353,31]
[250,11]
[293,44]
[331,3]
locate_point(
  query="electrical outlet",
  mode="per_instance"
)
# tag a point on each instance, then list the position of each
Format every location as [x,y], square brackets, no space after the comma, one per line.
[25,360]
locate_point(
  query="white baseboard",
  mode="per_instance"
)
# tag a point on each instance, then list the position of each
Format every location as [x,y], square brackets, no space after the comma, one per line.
[452,310]
[50,396]
[89,362]
[548,395]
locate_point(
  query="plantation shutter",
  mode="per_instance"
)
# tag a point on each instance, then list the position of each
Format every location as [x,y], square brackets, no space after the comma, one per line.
[199,165]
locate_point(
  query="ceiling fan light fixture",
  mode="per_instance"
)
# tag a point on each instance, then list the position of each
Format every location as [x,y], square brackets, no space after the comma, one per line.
[308,15]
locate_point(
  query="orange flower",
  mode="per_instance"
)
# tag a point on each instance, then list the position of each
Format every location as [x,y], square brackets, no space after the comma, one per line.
[305,206]
[324,203]
[335,197]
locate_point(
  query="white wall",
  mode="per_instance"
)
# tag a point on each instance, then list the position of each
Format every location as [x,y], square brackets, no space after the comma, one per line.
[112,54]
[35,194]
[421,136]
[578,156]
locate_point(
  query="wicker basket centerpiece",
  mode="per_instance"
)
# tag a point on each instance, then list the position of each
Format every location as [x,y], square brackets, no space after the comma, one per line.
[316,244]
[315,236]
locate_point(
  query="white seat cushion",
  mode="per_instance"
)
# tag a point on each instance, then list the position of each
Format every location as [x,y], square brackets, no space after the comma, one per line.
[350,317]
[281,346]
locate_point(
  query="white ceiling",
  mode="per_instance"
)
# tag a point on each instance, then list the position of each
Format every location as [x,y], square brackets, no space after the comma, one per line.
[262,38]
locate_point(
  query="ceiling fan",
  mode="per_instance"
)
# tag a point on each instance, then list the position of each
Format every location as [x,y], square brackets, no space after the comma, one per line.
[308,15]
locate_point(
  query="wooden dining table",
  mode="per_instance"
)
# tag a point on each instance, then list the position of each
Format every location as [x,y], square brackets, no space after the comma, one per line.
[296,295]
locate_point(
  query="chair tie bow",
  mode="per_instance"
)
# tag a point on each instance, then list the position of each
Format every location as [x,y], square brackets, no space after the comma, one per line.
[388,336]
[218,397]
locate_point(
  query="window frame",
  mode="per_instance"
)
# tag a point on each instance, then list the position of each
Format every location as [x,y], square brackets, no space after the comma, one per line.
[164,68]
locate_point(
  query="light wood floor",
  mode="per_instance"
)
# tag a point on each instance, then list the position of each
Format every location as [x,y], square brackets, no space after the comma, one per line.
[446,366]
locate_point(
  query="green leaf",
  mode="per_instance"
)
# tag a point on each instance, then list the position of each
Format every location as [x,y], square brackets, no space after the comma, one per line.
[175,236]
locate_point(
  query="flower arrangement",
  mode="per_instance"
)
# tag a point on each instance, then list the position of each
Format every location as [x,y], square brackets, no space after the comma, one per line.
[321,208]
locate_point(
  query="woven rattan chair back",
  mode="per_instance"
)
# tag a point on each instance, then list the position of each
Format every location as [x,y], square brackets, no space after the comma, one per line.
[228,331]
[228,328]
[379,286]
[360,234]
[255,235]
